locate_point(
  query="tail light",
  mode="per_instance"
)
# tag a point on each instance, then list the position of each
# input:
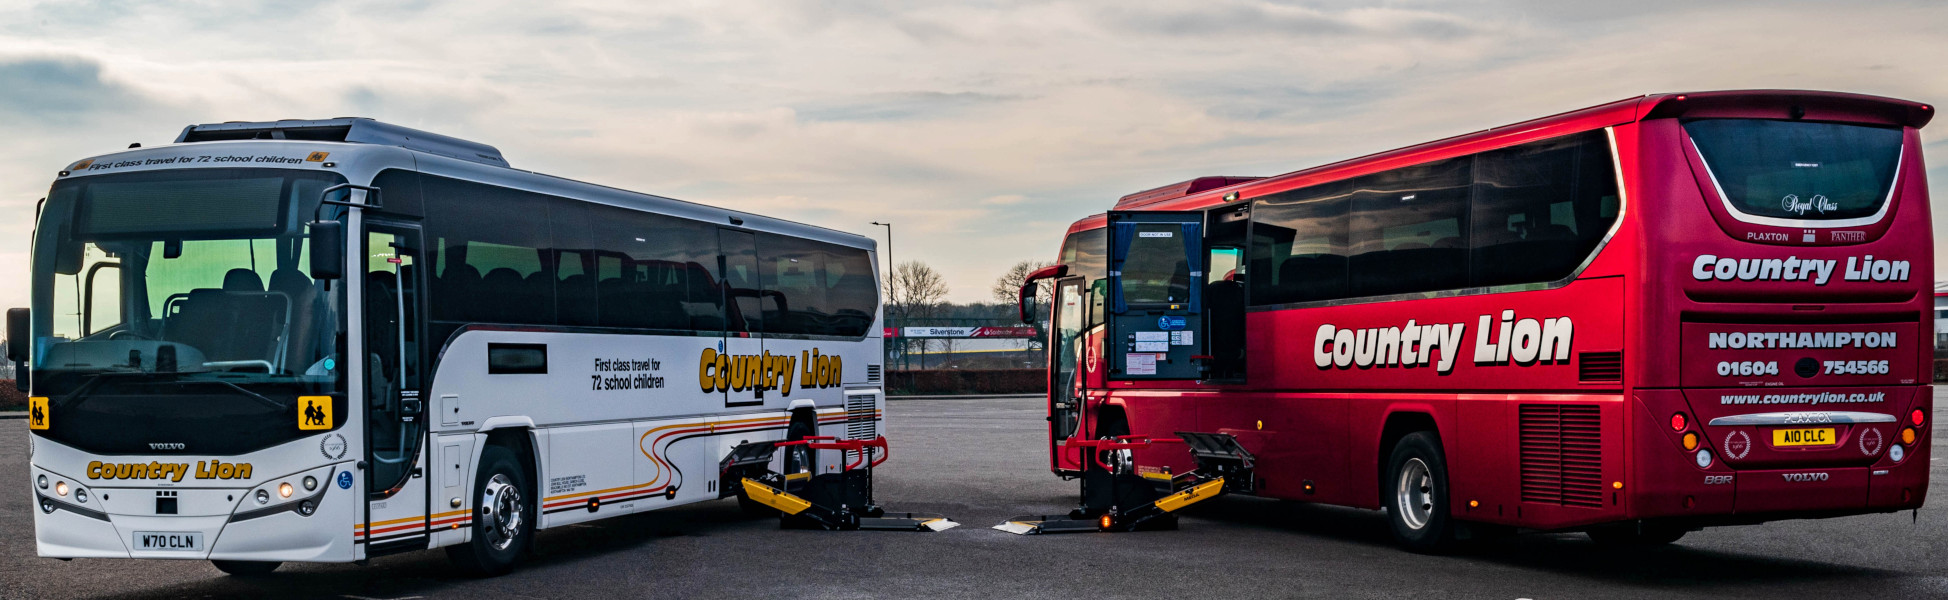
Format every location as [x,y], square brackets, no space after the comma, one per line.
[1677,422]
[1917,417]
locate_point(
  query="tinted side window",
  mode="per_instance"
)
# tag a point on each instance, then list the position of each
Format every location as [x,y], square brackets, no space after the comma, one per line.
[1299,245]
[1408,229]
[654,271]
[814,288]
[1087,253]
[851,290]
[1540,208]
[491,253]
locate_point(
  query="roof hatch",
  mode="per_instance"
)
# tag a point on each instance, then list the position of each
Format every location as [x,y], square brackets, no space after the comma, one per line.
[356,130]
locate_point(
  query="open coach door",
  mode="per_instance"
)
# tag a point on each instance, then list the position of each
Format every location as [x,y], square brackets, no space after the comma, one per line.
[1155,305]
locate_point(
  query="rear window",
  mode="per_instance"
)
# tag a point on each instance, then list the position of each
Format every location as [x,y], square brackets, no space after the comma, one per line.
[1799,170]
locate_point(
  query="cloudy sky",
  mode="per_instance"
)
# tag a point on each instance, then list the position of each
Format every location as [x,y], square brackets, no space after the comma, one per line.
[980,129]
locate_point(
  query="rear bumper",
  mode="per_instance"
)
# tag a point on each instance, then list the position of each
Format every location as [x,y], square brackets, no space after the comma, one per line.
[1669,485]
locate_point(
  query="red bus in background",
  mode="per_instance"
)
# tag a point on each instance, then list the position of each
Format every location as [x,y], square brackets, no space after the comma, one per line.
[1636,320]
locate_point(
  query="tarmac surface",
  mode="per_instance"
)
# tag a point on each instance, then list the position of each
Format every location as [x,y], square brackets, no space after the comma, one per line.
[983,460]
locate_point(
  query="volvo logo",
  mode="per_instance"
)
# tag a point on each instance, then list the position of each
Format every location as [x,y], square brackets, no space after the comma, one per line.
[165,445]
[1802,477]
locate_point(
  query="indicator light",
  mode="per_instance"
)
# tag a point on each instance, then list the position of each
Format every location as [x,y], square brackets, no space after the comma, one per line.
[1917,417]
[61,488]
[1897,453]
[81,496]
[284,489]
[1690,441]
[1616,484]
[1677,422]
[1473,503]
[310,483]
[1704,459]
[263,497]
[1105,522]
[41,481]
[1907,435]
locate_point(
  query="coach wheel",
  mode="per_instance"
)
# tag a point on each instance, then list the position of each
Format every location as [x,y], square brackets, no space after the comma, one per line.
[1417,496]
[1113,426]
[1636,535]
[245,568]
[502,525]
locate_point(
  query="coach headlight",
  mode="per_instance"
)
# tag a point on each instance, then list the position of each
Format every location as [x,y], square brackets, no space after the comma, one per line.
[263,496]
[81,496]
[310,483]
[61,488]
[41,481]
[284,489]
[1704,459]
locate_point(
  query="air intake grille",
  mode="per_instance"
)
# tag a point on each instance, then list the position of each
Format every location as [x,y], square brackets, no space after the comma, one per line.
[860,421]
[1599,366]
[872,373]
[1562,454]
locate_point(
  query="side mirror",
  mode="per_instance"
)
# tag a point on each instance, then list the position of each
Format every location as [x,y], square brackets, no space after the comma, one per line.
[327,250]
[17,334]
[1025,300]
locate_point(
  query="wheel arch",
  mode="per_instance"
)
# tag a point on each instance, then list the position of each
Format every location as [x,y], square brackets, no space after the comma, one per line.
[1400,424]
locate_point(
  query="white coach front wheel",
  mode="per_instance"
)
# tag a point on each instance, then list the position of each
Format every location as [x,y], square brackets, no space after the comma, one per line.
[502,526]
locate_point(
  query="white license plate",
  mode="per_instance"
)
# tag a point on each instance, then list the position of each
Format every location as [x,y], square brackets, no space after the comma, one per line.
[168,540]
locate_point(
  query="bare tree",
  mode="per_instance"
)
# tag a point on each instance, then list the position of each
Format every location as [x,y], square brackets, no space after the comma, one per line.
[1008,284]
[915,291]
[1007,289]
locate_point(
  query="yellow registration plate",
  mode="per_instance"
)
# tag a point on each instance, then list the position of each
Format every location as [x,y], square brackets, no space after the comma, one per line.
[1818,436]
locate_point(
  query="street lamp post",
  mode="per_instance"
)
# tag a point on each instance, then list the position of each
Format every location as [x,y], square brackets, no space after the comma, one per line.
[891,280]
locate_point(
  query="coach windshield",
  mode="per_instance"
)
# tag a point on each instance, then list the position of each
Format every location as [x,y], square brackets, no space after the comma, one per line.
[176,304]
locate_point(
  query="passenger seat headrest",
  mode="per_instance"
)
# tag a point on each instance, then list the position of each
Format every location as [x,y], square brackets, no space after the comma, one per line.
[242,280]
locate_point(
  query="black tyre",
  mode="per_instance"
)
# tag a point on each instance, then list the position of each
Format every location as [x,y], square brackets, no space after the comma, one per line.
[1416,494]
[1636,535]
[1112,426]
[503,522]
[245,568]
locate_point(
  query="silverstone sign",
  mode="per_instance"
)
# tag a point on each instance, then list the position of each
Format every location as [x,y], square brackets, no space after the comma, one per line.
[961,332]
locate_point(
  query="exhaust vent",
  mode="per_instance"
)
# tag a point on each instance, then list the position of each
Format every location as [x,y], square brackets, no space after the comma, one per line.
[1562,454]
[872,373]
[1599,366]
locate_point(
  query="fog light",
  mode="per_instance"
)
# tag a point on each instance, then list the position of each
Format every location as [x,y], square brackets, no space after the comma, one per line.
[1677,422]
[41,481]
[263,497]
[81,496]
[47,507]
[1907,435]
[1704,459]
[310,483]
[284,490]
[1897,453]
[1690,441]
[60,488]
[307,507]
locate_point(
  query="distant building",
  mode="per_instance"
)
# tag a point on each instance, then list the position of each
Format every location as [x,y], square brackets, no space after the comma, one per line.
[1940,316]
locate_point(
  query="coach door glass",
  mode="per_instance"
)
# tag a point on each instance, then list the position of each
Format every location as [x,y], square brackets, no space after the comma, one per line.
[1065,385]
[744,304]
[392,356]
[1156,288]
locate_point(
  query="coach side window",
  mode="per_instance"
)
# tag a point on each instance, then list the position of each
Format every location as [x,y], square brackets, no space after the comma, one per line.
[1299,245]
[492,263]
[1407,228]
[1540,208]
[814,288]
[655,271]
